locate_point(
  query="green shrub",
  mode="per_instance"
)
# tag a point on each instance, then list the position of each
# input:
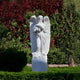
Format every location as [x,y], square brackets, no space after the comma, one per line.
[76,51]
[65,27]
[56,56]
[3,32]
[12,60]
[39,12]
[29,55]
[64,73]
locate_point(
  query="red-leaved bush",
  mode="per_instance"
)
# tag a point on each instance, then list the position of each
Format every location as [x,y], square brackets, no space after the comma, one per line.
[10,11]
[13,10]
[48,6]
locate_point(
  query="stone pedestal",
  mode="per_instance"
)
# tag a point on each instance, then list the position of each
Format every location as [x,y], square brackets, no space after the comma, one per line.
[39,62]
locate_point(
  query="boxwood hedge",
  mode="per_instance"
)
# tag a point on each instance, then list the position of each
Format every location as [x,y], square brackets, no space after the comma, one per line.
[52,74]
[12,60]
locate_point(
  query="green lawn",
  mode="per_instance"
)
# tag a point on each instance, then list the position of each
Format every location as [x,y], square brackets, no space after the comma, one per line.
[56,69]
[51,69]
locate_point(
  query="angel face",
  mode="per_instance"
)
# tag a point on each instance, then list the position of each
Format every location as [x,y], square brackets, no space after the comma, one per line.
[39,19]
[46,19]
[33,19]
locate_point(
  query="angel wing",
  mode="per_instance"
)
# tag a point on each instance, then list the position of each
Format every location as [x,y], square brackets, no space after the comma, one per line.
[47,31]
[33,21]
[47,24]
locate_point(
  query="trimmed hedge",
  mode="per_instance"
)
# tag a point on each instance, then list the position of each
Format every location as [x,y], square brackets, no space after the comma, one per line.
[12,60]
[56,56]
[53,74]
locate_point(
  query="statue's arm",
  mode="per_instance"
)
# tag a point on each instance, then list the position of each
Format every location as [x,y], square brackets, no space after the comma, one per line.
[35,29]
[39,28]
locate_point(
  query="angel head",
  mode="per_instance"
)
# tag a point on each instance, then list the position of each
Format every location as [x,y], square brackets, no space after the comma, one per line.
[40,19]
[40,23]
[33,20]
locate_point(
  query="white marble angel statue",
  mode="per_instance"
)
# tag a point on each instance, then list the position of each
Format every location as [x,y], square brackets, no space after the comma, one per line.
[40,42]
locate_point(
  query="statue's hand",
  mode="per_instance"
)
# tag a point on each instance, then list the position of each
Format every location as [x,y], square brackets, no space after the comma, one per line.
[43,54]
[36,29]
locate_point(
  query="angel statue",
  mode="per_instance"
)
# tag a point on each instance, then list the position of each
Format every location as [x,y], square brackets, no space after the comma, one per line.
[40,41]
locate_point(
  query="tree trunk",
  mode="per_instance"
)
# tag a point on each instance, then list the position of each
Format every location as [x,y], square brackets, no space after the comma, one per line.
[71,61]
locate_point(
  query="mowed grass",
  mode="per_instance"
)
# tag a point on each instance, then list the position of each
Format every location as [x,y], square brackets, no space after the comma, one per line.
[56,69]
[50,69]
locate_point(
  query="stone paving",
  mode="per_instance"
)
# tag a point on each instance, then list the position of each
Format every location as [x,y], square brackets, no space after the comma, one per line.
[54,65]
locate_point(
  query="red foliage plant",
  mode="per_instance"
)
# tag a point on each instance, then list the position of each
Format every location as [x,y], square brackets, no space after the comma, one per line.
[13,10]
[48,6]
